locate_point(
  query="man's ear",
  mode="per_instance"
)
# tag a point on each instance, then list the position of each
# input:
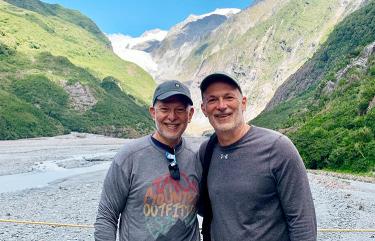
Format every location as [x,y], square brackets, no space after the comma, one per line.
[191,113]
[152,112]
[203,107]
[244,103]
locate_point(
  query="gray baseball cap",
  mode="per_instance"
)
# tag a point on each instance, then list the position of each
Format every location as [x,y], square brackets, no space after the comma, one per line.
[216,77]
[170,88]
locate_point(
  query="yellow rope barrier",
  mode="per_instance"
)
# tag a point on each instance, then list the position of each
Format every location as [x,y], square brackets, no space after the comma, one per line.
[46,223]
[333,230]
[330,230]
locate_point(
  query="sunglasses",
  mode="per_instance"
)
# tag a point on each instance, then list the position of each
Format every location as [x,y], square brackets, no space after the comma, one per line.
[174,171]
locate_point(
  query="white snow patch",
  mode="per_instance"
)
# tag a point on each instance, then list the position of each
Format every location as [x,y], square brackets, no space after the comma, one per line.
[129,41]
[122,46]
[220,11]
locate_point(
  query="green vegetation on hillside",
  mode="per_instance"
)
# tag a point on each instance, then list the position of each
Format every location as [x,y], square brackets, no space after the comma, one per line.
[56,76]
[19,119]
[333,122]
[348,39]
[40,27]
[33,105]
[266,42]
[58,11]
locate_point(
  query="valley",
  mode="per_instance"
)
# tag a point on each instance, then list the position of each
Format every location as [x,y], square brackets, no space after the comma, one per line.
[340,203]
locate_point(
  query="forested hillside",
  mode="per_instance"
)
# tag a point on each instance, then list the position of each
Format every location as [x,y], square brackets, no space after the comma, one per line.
[327,107]
[58,74]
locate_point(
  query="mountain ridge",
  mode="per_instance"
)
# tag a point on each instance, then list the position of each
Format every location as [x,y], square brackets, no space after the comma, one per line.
[72,16]
[332,119]
[56,76]
[271,55]
[149,52]
[261,46]
[84,51]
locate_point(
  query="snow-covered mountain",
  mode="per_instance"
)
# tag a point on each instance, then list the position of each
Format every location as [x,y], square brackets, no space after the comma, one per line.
[156,49]
[261,46]
[137,50]
[227,12]
[183,38]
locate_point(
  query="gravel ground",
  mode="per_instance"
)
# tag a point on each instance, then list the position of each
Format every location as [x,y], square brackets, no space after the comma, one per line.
[73,150]
[344,204]
[340,203]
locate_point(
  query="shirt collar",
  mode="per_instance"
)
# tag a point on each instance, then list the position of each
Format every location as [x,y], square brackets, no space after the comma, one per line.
[166,147]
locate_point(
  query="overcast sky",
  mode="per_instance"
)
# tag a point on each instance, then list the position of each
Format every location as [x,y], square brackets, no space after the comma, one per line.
[133,17]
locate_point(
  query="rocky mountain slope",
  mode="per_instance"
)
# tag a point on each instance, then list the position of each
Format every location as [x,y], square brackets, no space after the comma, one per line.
[262,46]
[183,38]
[155,49]
[327,107]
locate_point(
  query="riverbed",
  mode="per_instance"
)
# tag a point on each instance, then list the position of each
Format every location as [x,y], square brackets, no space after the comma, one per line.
[59,180]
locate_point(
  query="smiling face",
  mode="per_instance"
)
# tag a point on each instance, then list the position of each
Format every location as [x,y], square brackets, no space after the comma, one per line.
[171,117]
[224,105]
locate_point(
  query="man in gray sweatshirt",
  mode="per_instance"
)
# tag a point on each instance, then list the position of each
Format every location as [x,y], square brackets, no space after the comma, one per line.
[257,183]
[151,189]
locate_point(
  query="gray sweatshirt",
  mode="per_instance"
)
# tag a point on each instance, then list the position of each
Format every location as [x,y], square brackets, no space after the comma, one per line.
[151,205]
[259,190]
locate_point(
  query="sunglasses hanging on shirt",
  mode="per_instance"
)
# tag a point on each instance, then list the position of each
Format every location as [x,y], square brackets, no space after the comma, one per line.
[174,171]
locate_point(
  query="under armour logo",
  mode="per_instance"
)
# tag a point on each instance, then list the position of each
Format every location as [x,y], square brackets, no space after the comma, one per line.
[224,156]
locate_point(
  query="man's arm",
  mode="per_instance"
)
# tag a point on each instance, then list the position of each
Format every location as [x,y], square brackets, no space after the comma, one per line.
[112,202]
[199,160]
[294,190]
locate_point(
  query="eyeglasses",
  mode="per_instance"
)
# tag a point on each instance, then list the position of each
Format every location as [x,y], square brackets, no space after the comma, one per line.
[174,171]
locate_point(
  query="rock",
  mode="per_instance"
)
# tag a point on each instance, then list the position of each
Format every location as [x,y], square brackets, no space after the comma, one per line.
[371,105]
[329,88]
[81,97]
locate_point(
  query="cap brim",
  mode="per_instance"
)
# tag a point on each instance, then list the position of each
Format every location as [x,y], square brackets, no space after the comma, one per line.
[172,93]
